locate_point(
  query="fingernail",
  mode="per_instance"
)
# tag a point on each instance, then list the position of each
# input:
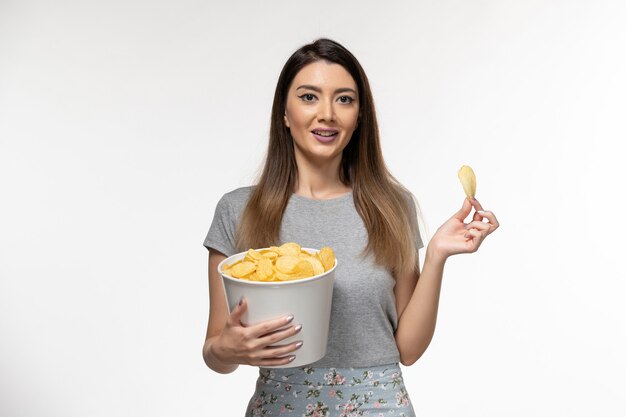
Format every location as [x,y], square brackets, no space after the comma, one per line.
[291,358]
[241,301]
[481,211]
[289,318]
[299,344]
[298,328]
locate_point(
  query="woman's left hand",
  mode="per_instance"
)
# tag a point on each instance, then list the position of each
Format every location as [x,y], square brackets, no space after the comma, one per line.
[455,236]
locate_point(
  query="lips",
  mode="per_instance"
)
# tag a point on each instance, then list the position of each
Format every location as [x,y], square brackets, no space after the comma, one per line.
[325,136]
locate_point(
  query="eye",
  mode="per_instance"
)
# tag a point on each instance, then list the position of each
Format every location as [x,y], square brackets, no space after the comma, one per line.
[307,97]
[346,99]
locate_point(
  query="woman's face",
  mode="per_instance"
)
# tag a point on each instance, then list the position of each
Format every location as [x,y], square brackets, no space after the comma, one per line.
[322,111]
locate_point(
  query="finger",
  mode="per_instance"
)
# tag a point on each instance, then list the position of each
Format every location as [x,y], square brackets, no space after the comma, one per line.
[473,233]
[238,312]
[279,335]
[273,352]
[269,326]
[492,218]
[277,361]
[476,204]
[465,210]
[479,225]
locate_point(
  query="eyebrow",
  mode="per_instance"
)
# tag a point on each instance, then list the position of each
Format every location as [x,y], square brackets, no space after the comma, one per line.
[319,90]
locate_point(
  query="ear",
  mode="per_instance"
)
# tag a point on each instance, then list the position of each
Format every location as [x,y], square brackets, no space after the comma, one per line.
[286,121]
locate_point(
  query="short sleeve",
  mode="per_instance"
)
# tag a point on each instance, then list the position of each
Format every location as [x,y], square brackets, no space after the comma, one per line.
[418,238]
[418,242]
[221,235]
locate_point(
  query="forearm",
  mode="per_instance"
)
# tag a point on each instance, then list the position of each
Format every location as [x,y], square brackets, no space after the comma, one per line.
[416,325]
[212,361]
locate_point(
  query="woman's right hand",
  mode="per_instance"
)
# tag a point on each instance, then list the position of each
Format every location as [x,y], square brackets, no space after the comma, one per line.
[255,344]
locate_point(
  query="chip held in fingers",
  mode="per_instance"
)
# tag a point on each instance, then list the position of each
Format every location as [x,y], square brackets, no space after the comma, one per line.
[468,181]
[287,262]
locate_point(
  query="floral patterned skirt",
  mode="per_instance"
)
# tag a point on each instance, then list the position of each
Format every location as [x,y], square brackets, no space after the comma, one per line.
[330,392]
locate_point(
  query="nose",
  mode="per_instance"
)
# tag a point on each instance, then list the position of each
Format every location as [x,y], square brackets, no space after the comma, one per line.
[326,111]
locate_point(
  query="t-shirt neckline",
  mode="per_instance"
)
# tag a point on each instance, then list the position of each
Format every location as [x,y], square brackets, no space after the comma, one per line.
[326,200]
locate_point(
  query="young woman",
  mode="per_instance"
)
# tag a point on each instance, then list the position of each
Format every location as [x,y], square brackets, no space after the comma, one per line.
[325,183]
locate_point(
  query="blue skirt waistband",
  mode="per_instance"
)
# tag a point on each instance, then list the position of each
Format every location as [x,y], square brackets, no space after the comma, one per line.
[381,374]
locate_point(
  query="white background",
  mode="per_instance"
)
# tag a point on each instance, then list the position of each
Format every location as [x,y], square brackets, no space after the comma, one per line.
[123,122]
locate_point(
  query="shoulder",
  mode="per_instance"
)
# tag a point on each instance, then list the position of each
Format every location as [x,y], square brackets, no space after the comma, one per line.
[406,193]
[408,196]
[241,193]
[237,198]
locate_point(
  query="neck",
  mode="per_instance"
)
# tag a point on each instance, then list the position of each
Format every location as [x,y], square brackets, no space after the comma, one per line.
[319,180]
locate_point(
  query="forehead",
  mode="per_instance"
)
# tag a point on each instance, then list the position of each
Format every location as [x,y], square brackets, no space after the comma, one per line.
[324,74]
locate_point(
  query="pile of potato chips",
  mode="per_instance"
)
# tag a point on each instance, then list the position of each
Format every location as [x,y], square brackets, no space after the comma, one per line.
[287,262]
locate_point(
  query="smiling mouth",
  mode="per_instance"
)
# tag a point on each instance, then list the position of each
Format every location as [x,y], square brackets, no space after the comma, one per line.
[325,134]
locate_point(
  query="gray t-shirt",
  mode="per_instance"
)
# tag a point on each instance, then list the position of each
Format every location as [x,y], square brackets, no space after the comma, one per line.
[363,317]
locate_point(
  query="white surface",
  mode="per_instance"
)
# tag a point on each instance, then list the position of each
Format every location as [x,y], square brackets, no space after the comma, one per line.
[123,123]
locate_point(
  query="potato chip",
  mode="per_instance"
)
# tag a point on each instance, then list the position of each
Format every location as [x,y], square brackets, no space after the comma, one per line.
[468,180]
[318,268]
[242,269]
[252,256]
[269,254]
[326,257]
[281,263]
[290,248]
[287,264]
[282,277]
[304,267]
[265,269]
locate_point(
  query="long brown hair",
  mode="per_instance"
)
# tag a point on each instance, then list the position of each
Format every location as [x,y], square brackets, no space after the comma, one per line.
[381,201]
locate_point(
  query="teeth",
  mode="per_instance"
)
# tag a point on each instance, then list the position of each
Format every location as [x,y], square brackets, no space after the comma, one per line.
[325,133]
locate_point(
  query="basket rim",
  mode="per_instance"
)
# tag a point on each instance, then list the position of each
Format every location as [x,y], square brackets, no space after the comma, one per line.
[272,283]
